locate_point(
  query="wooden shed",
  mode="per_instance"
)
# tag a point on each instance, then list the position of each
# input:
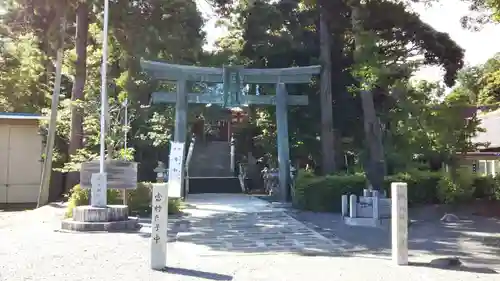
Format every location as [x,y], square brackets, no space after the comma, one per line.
[21,151]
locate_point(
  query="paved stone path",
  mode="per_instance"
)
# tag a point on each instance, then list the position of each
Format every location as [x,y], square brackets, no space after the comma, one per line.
[224,223]
[250,233]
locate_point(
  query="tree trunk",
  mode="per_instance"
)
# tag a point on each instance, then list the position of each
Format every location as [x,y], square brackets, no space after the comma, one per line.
[375,169]
[327,133]
[77,94]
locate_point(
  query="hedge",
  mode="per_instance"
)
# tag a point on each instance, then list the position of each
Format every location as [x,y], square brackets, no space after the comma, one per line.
[138,200]
[322,194]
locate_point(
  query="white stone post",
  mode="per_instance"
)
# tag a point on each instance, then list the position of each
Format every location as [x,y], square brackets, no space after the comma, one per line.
[399,223]
[98,190]
[345,205]
[353,206]
[159,221]
[376,207]
[367,193]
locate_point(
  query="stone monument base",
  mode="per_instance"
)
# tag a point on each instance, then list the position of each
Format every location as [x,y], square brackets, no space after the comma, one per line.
[109,218]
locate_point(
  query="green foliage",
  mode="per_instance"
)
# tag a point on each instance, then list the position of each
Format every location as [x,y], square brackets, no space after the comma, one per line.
[421,186]
[22,75]
[79,196]
[424,126]
[139,200]
[483,12]
[482,82]
[456,187]
[485,187]
[28,31]
[323,193]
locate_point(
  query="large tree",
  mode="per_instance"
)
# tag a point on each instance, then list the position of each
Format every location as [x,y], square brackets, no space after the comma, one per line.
[167,29]
[372,49]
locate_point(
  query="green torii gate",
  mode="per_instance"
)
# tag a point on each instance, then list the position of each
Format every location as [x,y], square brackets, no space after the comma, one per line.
[232,79]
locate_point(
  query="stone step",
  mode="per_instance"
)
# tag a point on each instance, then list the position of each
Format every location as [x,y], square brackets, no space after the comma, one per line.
[214,185]
[211,159]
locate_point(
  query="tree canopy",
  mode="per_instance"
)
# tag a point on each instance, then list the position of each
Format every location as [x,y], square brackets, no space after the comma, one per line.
[375,46]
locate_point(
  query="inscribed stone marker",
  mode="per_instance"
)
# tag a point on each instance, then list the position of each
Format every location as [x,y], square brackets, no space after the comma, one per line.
[98,190]
[159,223]
[399,195]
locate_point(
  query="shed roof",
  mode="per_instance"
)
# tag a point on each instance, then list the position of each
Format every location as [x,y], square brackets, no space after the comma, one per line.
[20,115]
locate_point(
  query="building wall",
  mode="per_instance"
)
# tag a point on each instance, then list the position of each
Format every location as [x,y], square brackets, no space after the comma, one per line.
[20,161]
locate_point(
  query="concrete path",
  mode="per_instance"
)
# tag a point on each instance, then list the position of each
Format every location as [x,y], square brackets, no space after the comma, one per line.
[210,204]
[223,223]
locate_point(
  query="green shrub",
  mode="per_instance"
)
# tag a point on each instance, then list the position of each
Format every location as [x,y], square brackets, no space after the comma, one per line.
[322,194]
[422,186]
[457,187]
[496,188]
[79,196]
[138,200]
[485,187]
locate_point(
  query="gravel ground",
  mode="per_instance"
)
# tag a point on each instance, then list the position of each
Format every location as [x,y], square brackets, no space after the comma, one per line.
[33,248]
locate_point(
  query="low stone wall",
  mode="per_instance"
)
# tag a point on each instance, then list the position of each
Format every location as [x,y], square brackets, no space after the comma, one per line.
[368,209]
[365,207]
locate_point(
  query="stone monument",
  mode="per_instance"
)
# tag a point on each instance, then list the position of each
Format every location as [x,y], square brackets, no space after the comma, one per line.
[98,216]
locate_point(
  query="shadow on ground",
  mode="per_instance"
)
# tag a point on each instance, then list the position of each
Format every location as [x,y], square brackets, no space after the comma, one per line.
[16,207]
[475,240]
[258,232]
[472,269]
[198,274]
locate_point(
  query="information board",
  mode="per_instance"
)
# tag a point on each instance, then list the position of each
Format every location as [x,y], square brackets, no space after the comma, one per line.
[120,174]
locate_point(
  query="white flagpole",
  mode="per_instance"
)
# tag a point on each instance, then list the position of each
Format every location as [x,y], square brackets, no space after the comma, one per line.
[104,87]
[99,181]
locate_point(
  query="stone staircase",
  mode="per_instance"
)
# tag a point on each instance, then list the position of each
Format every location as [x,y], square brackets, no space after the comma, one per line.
[210,169]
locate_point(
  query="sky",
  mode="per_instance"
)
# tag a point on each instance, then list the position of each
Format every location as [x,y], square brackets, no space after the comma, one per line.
[444,17]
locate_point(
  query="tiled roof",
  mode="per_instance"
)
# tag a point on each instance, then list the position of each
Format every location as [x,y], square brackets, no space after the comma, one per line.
[491,123]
